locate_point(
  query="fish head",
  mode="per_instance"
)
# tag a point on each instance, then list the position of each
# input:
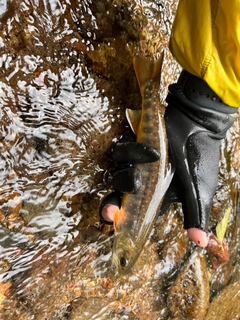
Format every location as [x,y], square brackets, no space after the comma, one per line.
[124,252]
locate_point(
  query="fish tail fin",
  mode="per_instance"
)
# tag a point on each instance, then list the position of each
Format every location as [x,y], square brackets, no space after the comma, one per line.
[146,69]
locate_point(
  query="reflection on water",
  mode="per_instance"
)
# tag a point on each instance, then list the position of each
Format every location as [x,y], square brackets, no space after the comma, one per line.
[66,78]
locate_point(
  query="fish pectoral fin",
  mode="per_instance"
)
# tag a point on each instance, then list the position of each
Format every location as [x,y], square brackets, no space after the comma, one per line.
[133,118]
[169,176]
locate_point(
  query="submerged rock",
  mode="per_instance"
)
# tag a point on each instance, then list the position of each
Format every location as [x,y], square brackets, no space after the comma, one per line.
[226,304]
[188,296]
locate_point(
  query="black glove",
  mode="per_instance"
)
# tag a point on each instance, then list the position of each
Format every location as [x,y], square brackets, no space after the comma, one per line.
[125,177]
[196,121]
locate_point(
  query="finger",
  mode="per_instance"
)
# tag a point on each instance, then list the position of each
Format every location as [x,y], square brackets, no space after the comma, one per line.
[108,212]
[202,179]
[124,180]
[134,152]
[108,206]
[196,167]
[198,236]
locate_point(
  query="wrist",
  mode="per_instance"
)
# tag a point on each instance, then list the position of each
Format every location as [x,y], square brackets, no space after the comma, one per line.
[216,122]
[198,91]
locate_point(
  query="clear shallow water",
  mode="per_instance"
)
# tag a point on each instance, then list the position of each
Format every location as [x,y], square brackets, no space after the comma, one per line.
[66,78]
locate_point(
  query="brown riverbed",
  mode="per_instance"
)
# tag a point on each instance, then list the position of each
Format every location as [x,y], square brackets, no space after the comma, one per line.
[66,78]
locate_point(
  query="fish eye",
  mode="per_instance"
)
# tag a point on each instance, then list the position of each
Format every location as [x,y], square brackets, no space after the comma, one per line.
[123,262]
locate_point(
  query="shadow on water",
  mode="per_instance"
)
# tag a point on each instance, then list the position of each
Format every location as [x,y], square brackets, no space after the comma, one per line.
[66,78]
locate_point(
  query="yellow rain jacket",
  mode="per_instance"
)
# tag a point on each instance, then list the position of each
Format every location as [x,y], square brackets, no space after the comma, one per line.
[205,41]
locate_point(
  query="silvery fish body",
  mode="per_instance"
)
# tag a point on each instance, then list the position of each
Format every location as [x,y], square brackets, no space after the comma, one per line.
[134,221]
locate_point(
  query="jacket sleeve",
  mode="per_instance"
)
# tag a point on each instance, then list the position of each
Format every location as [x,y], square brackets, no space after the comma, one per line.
[205,41]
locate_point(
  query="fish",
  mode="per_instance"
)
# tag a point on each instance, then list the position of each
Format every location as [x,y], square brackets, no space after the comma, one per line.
[134,221]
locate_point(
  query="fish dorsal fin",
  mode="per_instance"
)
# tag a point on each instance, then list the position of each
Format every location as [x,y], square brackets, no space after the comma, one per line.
[133,118]
[147,69]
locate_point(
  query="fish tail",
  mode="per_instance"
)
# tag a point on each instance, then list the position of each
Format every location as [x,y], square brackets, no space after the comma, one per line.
[146,69]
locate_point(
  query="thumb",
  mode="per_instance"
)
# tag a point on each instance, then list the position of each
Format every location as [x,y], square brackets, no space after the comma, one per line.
[199,179]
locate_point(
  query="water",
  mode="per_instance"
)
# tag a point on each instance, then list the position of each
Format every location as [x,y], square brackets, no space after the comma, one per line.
[66,78]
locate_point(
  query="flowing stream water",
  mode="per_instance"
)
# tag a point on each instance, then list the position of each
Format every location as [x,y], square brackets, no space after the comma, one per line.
[66,78]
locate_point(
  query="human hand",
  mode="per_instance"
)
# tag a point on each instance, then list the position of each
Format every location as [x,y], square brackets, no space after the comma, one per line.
[194,134]
[126,178]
